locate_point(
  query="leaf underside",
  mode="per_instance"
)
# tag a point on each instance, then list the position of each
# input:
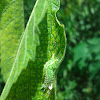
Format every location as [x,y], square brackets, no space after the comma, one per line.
[42,38]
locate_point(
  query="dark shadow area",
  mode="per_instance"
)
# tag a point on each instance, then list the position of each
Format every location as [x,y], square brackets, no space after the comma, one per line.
[28,7]
[2,84]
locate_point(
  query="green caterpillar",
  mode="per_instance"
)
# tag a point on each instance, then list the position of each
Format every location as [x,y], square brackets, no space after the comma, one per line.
[50,69]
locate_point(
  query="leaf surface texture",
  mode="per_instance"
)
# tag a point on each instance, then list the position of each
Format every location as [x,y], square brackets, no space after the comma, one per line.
[42,38]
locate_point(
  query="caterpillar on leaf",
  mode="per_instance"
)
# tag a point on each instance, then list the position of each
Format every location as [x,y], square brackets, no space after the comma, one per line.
[50,69]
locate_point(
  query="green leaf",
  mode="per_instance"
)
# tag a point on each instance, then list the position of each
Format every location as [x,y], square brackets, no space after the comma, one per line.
[94,45]
[94,69]
[43,30]
[26,48]
[11,28]
[81,53]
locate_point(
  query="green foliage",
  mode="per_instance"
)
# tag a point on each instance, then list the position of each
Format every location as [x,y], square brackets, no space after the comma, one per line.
[78,77]
[22,67]
[28,6]
[50,71]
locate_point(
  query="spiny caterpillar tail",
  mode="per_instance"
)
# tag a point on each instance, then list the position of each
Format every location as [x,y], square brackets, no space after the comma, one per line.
[50,69]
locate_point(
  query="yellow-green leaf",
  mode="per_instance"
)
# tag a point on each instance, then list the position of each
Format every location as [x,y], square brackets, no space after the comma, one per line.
[43,38]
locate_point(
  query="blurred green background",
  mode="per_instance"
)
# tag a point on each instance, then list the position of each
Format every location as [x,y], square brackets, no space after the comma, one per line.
[79,73]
